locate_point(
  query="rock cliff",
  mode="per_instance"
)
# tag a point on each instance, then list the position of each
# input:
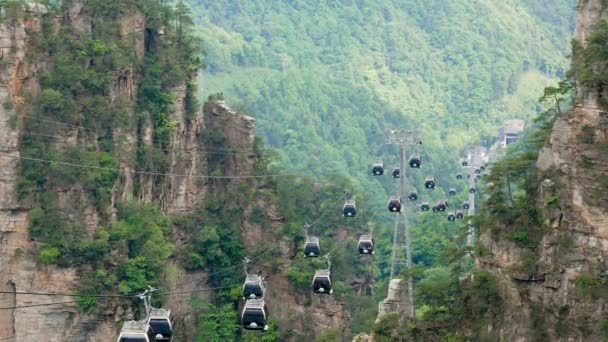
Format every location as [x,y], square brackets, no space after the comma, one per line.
[181,188]
[564,300]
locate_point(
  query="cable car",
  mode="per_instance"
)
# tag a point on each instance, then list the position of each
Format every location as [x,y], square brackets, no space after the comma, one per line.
[482,167]
[478,177]
[441,206]
[350,208]
[321,283]
[160,321]
[459,215]
[459,176]
[366,244]
[429,183]
[413,196]
[477,171]
[465,163]
[425,206]
[253,288]
[394,204]
[472,190]
[136,331]
[415,161]
[378,169]
[466,205]
[396,172]
[451,217]
[254,315]
[452,192]
[312,248]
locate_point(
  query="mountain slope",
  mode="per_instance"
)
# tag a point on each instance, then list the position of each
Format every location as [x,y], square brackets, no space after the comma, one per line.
[324,80]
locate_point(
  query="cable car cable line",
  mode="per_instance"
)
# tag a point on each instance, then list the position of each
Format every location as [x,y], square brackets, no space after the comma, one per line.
[37,305]
[97,131]
[201,151]
[147,173]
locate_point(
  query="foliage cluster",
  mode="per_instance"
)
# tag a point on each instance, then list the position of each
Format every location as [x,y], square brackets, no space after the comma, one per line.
[77,99]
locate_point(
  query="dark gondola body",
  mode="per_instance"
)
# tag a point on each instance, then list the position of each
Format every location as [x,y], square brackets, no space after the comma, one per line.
[312,248]
[413,196]
[161,323]
[394,205]
[425,206]
[415,161]
[253,288]
[429,182]
[378,169]
[321,283]
[441,206]
[136,331]
[350,209]
[451,217]
[396,172]
[366,245]
[254,316]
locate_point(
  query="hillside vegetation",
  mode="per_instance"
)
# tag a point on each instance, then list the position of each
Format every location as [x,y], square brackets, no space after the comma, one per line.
[325,79]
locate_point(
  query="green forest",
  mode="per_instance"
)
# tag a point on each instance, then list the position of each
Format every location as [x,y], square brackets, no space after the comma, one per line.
[323,80]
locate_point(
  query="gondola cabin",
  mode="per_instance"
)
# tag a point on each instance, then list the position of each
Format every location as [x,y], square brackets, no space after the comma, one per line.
[435,209]
[477,171]
[459,176]
[425,206]
[136,331]
[161,322]
[321,282]
[441,206]
[413,196]
[378,169]
[466,205]
[472,190]
[350,208]
[312,248]
[465,163]
[254,316]
[366,244]
[429,182]
[452,192]
[451,217]
[415,161]
[478,177]
[396,172]
[482,167]
[394,204]
[253,288]
[459,215]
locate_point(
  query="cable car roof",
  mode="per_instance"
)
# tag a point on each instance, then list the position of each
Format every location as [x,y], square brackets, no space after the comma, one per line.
[254,278]
[255,304]
[322,274]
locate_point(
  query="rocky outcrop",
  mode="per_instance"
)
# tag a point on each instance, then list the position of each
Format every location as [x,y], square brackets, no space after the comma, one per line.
[182,187]
[561,300]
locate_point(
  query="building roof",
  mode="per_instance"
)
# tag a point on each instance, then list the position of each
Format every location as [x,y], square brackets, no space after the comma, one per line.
[515,126]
